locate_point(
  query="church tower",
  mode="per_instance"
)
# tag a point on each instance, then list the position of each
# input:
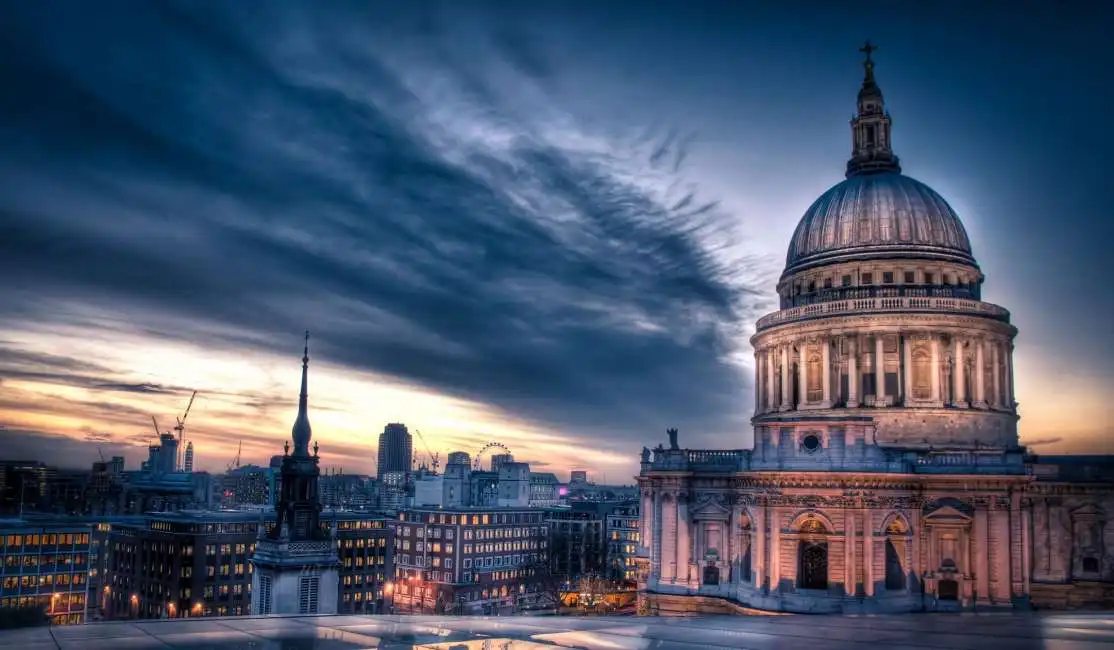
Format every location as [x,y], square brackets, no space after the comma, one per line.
[295,563]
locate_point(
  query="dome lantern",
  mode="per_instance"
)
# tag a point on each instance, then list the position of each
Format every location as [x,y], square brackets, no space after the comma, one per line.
[871,149]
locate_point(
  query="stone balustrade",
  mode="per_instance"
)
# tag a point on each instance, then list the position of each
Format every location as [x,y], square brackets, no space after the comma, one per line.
[881,304]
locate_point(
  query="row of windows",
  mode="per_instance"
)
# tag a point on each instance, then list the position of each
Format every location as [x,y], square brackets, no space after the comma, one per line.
[473,520]
[360,579]
[33,561]
[360,561]
[45,580]
[624,535]
[380,542]
[15,543]
[427,561]
[61,602]
[226,549]
[435,547]
[868,278]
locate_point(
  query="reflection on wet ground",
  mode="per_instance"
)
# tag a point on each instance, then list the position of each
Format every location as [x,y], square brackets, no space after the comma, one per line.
[994,631]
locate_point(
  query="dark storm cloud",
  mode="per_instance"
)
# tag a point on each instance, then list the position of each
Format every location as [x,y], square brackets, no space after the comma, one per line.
[236,178]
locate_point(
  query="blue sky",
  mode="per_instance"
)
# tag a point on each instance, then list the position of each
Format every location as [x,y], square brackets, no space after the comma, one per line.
[551,224]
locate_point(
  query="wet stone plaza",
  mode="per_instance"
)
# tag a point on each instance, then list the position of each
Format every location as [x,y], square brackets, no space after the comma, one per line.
[1005,631]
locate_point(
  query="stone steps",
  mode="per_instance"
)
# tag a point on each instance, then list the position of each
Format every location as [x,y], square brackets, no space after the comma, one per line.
[1076,595]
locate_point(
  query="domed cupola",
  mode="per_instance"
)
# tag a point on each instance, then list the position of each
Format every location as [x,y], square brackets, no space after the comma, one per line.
[877,212]
[881,313]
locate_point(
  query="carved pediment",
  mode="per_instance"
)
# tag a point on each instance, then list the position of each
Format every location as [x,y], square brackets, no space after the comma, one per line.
[947,515]
[710,508]
[1089,512]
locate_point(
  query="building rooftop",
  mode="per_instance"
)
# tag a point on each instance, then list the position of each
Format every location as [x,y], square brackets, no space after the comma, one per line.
[1017,631]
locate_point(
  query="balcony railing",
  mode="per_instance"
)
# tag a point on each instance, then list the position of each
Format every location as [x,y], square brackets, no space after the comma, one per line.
[880,304]
[965,292]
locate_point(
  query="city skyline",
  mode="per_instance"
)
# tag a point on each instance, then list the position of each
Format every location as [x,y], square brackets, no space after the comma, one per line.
[492,237]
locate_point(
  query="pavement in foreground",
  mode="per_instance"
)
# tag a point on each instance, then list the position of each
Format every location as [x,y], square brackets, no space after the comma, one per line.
[1004,631]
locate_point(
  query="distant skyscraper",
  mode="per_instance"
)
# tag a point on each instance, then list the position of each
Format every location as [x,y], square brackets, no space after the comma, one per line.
[395,449]
[578,476]
[498,460]
[188,463]
[459,458]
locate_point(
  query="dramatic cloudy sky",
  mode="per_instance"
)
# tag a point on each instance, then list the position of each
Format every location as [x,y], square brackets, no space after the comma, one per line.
[549,226]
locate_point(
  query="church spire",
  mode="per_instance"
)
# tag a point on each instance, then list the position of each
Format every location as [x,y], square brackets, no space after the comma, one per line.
[301,432]
[871,150]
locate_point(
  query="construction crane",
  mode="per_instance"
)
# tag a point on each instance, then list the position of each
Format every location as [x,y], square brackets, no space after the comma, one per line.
[180,427]
[155,422]
[235,464]
[434,458]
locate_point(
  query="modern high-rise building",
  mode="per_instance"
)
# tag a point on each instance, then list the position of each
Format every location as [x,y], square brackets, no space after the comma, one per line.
[188,463]
[296,563]
[459,458]
[396,447]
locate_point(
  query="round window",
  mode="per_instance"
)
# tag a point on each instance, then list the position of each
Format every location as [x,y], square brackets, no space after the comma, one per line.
[811,442]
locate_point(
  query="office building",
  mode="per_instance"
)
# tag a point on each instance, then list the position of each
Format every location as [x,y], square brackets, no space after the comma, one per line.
[468,560]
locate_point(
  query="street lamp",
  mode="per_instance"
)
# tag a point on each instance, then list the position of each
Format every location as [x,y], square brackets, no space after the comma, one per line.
[388,601]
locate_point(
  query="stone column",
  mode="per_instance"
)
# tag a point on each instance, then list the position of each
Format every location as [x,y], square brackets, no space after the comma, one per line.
[826,359]
[684,542]
[771,363]
[852,372]
[758,546]
[996,379]
[980,374]
[668,536]
[646,536]
[959,381]
[757,382]
[982,550]
[868,553]
[656,536]
[785,388]
[1009,375]
[775,548]
[802,375]
[1000,520]
[879,371]
[849,554]
[936,368]
[1026,547]
[906,389]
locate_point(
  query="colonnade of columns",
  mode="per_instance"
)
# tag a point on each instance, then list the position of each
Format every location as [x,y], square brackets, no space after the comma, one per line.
[926,369]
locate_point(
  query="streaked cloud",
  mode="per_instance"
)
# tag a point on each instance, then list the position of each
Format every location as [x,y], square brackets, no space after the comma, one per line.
[192,187]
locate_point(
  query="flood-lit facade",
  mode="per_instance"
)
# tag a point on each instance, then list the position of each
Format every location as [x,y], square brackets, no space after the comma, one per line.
[886,472]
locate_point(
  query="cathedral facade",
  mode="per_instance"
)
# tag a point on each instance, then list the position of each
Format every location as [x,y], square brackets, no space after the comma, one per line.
[886,473]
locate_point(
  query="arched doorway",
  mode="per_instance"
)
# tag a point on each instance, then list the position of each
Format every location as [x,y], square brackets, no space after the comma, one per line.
[897,532]
[922,374]
[947,590]
[745,559]
[812,555]
[815,379]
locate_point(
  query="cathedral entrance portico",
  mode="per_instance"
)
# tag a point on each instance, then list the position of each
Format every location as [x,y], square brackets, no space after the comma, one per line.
[812,554]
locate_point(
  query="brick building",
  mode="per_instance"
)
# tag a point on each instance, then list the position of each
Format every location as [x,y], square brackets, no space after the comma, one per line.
[468,560]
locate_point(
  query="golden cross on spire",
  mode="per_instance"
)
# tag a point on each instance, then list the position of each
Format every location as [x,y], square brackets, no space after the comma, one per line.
[868,49]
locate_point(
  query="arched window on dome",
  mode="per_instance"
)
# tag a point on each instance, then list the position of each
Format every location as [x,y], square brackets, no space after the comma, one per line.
[814,380]
[922,374]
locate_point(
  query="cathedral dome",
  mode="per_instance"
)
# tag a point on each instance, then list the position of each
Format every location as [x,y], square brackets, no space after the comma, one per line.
[878,215]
